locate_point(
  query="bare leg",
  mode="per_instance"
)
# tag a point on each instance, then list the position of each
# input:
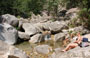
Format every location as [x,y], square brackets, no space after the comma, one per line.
[70,46]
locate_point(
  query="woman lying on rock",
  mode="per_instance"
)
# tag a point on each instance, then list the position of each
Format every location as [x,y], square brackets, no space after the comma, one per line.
[82,42]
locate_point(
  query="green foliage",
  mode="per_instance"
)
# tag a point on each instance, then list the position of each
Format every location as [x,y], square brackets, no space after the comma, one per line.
[21,7]
[85,17]
[36,6]
[24,8]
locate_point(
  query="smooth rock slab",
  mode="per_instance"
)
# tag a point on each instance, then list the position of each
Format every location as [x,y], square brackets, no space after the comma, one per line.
[73,53]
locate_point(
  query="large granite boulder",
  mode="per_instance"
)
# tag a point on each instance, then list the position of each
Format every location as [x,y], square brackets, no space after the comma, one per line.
[23,35]
[55,26]
[31,29]
[10,19]
[8,33]
[8,51]
[43,49]
[73,53]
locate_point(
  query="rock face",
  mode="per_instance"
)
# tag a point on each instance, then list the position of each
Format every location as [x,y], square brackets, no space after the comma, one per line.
[8,33]
[73,53]
[7,51]
[43,49]
[35,38]
[10,19]
[23,35]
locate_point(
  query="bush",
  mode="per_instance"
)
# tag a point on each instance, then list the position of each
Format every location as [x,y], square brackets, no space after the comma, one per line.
[85,17]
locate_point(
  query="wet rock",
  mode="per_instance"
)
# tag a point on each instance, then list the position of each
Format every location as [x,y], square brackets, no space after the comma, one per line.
[23,35]
[10,19]
[8,33]
[43,49]
[73,53]
[35,38]
[7,51]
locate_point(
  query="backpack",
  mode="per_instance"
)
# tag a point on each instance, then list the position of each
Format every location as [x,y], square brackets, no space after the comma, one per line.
[85,40]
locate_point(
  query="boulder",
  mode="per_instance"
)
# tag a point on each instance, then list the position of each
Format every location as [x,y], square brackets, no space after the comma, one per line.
[39,18]
[8,33]
[43,49]
[30,28]
[73,53]
[59,37]
[7,51]
[10,19]
[35,38]
[72,13]
[23,35]
[55,26]
[21,21]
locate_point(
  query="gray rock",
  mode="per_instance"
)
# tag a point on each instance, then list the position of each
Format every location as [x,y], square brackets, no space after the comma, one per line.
[21,21]
[7,51]
[39,18]
[55,26]
[31,29]
[35,38]
[73,53]
[80,29]
[8,33]
[43,49]
[87,36]
[10,19]
[59,36]
[23,35]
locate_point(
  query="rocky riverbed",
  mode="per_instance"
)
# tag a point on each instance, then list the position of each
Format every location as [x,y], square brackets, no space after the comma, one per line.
[40,37]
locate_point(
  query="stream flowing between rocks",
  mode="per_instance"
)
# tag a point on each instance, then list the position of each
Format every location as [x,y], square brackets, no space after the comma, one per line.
[29,48]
